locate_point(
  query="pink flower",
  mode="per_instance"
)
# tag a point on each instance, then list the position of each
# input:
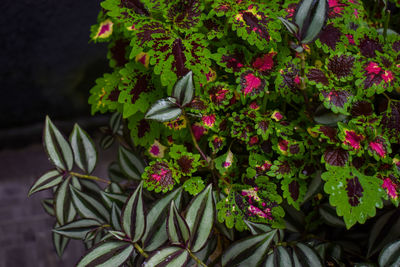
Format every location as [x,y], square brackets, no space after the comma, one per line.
[351,39]
[277,116]
[373,68]
[252,82]
[209,120]
[379,148]
[353,139]
[283,145]
[387,76]
[253,140]
[390,188]
[105,29]
[297,80]
[254,105]
[264,63]
[356,13]
[156,150]
[198,130]
[256,211]
[229,160]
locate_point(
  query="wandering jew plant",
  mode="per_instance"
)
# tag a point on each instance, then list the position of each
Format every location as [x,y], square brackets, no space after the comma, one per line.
[249,133]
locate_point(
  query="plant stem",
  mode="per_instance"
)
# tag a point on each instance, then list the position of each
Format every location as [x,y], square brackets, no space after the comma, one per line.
[89,177]
[141,251]
[194,138]
[196,259]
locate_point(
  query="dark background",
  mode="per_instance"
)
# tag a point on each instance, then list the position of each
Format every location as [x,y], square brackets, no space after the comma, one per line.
[47,66]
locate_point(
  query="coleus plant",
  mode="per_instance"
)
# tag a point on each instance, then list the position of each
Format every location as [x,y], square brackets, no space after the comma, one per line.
[250,133]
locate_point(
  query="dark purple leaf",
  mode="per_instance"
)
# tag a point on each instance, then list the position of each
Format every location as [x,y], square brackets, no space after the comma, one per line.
[368,47]
[234,62]
[118,52]
[337,98]
[361,108]
[372,79]
[291,77]
[391,119]
[341,66]
[186,164]
[330,36]
[354,191]
[179,63]
[294,189]
[329,132]
[143,128]
[185,14]
[336,156]
[136,5]
[317,76]
[396,46]
[142,85]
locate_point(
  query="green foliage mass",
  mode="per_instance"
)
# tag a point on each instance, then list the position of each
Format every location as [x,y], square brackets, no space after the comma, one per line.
[236,120]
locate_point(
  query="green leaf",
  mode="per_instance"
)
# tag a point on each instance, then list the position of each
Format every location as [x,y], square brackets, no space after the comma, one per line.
[115,122]
[48,206]
[84,150]
[306,256]
[60,242]
[302,13]
[115,217]
[46,181]
[227,232]
[194,185]
[280,257]
[257,228]
[111,198]
[64,209]
[200,218]
[249,251]
[385,230]
[57,148]
[89,207]
[77,229]
[328,214]
[130,164]
[107,254]
[314,186]
[133,217]
[106,141]
[163,110]
[156,233]
[317,22]
[177,228]
[294,219]
[354,194]
[115,173]
[184,89]
[329,118]
[168,257]
[292,28]
[390,255]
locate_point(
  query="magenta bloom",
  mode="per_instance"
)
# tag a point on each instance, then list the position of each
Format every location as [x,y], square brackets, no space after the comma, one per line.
[378,148]
[390,188]
[209,120]
[252,82]
[198,131]
[353,139]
